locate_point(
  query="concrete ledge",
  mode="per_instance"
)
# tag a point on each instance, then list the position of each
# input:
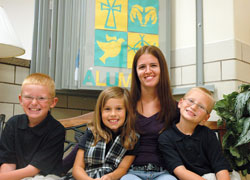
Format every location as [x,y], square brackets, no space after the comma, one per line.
[16,61]
[182,91]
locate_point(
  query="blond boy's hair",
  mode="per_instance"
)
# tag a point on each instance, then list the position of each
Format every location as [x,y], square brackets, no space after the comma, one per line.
[40,79]
[208,93]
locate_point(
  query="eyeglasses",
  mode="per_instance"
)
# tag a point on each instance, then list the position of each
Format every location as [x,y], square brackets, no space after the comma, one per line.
[190,102]
[39,98]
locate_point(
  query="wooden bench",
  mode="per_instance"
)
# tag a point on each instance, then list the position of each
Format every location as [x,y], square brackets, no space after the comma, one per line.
[220,130]
[2,121]
[81,121]
[76,121]
[78,125]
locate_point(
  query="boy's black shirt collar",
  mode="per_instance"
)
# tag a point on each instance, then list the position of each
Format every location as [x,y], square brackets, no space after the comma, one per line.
[182,136]
[40,129]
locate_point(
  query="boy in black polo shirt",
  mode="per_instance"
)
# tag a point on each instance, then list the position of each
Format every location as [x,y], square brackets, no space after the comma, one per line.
[192,151]
[33,142]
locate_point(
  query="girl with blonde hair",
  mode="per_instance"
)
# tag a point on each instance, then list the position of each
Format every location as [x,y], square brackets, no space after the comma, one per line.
[108,147]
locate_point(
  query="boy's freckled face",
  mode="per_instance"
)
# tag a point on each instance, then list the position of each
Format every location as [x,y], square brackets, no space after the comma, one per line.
[194,113]
[36,110]
[114,114]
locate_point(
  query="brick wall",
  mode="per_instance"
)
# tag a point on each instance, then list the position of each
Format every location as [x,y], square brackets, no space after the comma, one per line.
[12,73]
[73,105]
[226,66]
[11,77]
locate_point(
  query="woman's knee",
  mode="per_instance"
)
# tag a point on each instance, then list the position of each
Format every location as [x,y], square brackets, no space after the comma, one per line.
[129,177]
[166,176]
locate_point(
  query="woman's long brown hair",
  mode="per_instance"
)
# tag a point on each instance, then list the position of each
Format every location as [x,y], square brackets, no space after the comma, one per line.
[167,102]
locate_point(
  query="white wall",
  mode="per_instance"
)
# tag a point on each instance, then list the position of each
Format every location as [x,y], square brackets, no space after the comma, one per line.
[183,23]
[226,45]
[242,20]
[218,20]
[226,35]
[21,15]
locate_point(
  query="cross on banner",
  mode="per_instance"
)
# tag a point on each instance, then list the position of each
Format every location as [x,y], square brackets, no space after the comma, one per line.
[110,21]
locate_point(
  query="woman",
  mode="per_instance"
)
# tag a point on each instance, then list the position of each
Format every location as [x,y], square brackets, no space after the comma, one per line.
[156,110]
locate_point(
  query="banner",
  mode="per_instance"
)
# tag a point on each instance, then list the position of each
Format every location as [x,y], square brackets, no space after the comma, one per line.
[121,28]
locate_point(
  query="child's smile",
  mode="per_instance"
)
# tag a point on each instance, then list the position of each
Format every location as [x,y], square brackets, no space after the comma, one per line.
[113,120]
[194,106]
[36,102]
[190,112]
[114,114]
[34,110]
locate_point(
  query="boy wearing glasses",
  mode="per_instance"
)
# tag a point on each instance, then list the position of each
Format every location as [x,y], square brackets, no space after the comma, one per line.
[192,151]
[33,142]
